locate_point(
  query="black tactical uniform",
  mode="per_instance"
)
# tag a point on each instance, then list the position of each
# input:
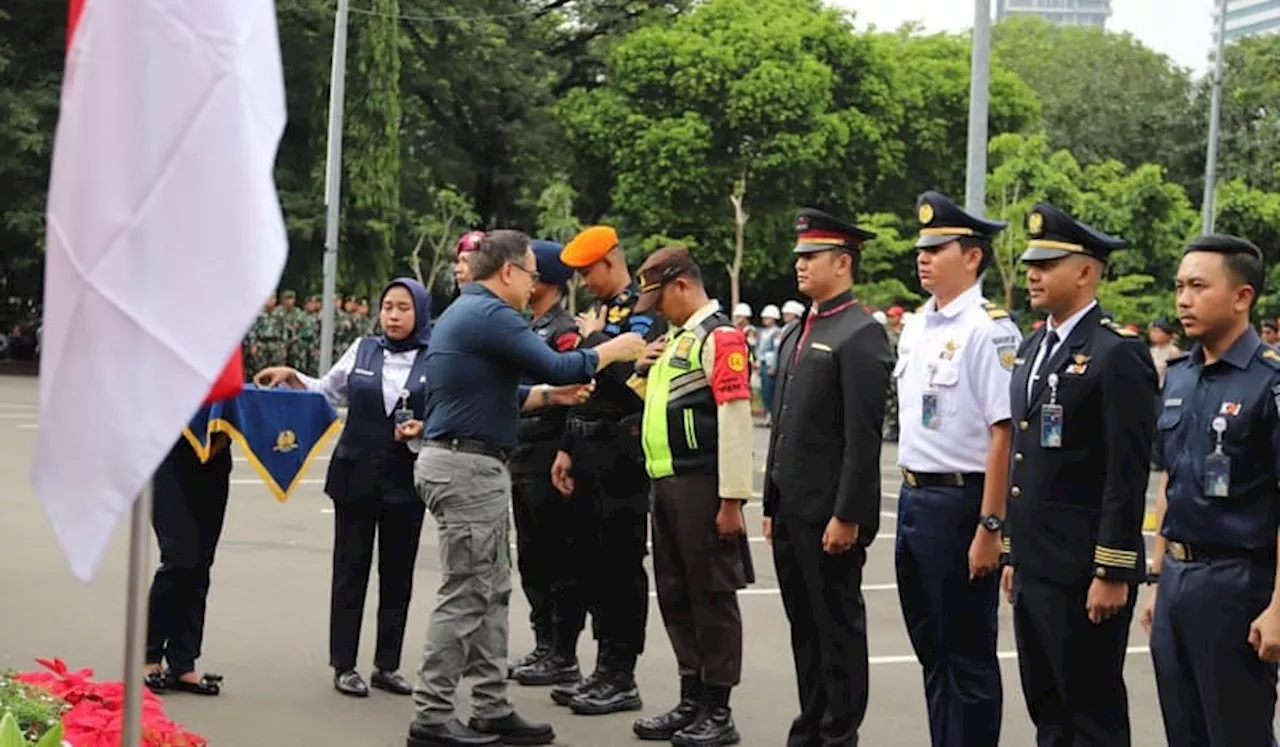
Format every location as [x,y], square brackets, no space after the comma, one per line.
[1083,409]
[609,527]
[540,512]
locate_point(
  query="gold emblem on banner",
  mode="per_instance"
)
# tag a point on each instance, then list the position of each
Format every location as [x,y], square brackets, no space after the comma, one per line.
[286,441]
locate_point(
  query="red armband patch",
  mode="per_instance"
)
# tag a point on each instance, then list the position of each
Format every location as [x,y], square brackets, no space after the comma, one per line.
[730,376]
[566,342]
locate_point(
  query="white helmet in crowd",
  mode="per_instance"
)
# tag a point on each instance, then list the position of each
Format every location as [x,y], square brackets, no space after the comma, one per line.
[879,316]
[742,310]
[793,307]
[770,312]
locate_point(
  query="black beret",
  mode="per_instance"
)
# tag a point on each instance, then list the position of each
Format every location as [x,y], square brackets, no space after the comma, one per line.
[1053,234]
[942,221]
[1223,244]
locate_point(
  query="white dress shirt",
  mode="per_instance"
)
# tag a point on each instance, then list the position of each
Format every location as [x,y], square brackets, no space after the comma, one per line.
[965,358]
[395,375]
[1064,331]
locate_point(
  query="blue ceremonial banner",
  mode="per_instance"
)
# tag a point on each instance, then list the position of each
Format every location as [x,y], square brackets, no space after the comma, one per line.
[280,431]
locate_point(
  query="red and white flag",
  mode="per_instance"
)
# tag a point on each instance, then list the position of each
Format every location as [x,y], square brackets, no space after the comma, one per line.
[164,237]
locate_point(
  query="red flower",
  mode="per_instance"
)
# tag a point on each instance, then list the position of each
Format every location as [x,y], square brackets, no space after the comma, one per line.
[96,718]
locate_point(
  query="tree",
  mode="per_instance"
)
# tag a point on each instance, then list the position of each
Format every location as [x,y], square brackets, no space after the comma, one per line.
[769,102]
[1153,216]
[439,231]
[930,79]
[1249,148]
[1255,215]
[1105,96]
[885,261]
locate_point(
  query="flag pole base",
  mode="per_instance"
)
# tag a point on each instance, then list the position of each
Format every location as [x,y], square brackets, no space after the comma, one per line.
[136,615]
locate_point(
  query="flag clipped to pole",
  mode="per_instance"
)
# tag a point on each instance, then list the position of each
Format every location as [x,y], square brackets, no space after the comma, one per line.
[164,235]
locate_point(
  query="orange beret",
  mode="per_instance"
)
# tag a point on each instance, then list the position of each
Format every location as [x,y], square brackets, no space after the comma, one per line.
[589,247]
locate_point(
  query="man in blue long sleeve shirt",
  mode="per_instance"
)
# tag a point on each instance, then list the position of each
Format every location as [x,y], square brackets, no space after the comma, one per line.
[479,349]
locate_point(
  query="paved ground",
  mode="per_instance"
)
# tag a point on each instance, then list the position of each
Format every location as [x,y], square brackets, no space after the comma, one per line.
[267,627]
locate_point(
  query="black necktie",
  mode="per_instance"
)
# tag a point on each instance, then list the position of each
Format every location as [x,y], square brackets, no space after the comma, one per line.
[1050,340]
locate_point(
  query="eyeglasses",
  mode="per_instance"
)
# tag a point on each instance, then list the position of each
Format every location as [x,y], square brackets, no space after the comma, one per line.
[533,274]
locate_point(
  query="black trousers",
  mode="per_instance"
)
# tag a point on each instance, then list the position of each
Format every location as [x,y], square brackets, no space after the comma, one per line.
[542,543]
[698,576]
[609,525]
[397,527]
[1072,670]
[189,505]
[822,596]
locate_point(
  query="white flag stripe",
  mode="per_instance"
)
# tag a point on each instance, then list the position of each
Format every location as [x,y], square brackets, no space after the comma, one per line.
[164,237]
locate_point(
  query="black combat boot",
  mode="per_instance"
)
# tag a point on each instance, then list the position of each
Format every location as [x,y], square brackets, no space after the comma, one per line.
[662,727]
[615,692]
[562,694]
[541,650]
[556,669]
[714,726]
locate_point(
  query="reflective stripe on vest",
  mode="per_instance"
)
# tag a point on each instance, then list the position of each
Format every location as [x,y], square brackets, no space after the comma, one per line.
[679,426]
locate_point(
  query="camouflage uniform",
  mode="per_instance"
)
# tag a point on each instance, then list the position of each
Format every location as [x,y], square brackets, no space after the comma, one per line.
[307,344]
[289,320]
[271,343]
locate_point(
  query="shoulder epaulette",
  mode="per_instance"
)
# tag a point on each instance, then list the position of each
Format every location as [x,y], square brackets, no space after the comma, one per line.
[1118,328]
[1270,356]
[995,310]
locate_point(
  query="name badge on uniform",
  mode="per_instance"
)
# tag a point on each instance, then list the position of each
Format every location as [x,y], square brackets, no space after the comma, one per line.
[402,413]
[1051,418]
[1217,466]
[930,417]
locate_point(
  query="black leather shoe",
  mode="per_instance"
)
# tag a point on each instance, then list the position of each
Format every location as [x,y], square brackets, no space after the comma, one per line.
[553,670]
[564,693]
[449,734]
[660,728]
[350,683]
[714,729]
[615,693]
[512,729]
[540,652]
[392,682]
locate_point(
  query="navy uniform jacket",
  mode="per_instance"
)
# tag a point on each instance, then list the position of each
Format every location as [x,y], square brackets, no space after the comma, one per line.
[828,409]
[1076,512]
[1243,388]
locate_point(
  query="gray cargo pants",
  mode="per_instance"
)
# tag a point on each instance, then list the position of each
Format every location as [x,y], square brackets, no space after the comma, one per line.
[470,497]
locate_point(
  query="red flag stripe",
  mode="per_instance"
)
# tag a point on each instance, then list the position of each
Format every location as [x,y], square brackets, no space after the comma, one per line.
[73,18]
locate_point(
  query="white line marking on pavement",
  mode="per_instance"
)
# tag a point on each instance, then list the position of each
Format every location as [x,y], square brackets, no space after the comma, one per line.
[770,592]
[29,426]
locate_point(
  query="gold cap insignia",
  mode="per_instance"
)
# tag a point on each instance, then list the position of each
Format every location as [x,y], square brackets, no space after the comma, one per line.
[925,214]
[1035,223]
[286,441]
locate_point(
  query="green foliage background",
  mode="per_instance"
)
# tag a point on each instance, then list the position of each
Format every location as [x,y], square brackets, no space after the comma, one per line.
[547,115]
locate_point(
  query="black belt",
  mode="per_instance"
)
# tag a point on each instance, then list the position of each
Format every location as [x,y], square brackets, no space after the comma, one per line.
[469,446]
[939,479]
[1188,553]
[596,428]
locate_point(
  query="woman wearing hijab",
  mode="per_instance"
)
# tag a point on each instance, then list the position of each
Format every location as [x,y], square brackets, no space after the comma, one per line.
[381,381]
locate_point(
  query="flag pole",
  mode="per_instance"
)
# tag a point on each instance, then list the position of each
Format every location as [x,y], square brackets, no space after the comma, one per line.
[136,615]
[333,183]
[975,188]
[1215,116]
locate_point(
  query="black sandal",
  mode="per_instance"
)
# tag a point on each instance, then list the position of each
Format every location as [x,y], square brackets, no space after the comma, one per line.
[209,684]
[156,682]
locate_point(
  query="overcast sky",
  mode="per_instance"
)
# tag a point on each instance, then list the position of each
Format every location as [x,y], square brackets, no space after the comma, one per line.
[1181,29]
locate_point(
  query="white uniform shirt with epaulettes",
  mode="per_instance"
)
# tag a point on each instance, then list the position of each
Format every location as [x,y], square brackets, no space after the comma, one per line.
[962,355]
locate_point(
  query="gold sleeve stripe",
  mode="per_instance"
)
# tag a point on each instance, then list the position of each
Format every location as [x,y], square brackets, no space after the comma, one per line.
[1004,544]
[1113,557]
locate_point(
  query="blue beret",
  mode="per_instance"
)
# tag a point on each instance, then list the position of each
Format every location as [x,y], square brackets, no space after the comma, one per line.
[550,268]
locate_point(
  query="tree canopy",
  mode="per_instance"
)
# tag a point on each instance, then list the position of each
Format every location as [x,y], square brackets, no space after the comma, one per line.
[708,123]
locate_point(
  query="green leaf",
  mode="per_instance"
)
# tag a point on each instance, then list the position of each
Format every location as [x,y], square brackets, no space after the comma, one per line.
[51,738]
[10,734]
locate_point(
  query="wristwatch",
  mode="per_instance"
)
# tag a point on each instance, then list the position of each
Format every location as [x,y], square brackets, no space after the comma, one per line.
[545,391]
[992,523]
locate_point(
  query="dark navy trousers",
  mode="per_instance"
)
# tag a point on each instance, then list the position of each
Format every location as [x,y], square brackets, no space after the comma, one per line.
[1214,691]
[950,619]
